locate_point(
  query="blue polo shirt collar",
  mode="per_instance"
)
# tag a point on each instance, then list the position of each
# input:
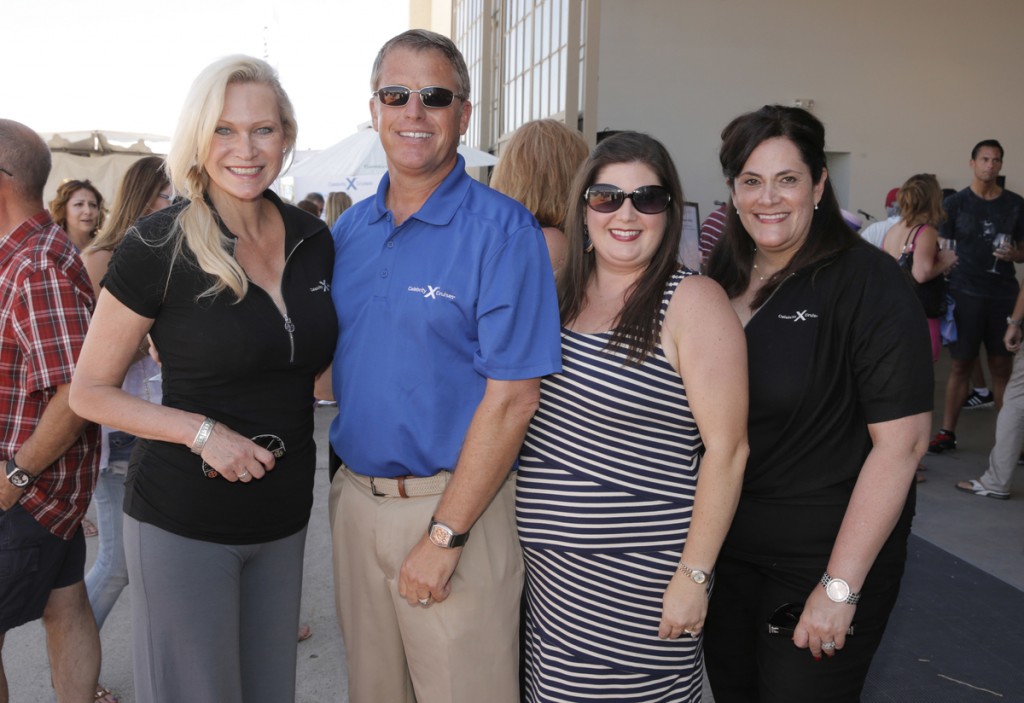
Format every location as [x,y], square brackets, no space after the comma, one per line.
[443,203]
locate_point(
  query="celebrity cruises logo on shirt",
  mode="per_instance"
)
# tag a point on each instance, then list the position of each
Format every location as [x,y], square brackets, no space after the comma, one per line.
[799,316]
[432,292]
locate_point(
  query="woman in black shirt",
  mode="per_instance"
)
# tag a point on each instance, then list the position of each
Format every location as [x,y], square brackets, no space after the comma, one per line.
[840,406]
[232,285]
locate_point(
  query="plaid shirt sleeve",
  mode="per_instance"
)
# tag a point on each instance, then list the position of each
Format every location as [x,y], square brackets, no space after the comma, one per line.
[46,305]
[51,318]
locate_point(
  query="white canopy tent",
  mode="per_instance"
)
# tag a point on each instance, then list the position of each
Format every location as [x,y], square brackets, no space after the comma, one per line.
[355,166]
[97,156]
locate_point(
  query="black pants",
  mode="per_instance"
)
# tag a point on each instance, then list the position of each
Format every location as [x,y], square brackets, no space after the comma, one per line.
[745,664]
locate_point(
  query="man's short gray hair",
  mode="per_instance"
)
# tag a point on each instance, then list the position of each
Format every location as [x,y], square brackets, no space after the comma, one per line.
[425,40]
[26,156]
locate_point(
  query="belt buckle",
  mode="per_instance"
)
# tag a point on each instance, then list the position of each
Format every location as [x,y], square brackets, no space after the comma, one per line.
[373,488]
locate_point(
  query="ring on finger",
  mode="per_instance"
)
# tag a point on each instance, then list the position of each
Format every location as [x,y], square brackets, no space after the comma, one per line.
[828,646]
[691,633]
[425,601]
[243,474]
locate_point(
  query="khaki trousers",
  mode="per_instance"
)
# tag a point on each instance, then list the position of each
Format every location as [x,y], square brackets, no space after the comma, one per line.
[464,650]
[1009,432]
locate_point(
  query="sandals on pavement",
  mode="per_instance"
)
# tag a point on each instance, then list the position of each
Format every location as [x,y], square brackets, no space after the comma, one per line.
[103,695]
[977,489]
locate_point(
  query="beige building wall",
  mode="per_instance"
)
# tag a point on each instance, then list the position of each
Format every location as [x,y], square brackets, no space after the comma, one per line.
[902,87]
[435,15]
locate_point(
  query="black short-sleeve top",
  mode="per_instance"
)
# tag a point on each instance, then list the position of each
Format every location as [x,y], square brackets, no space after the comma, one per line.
[837,347]
[243,363]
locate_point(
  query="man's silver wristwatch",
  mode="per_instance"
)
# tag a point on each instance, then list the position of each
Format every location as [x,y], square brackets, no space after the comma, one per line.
[444,537]
[838,590]
[18,477]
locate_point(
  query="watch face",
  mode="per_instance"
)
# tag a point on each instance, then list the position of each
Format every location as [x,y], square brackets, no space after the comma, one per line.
[19,479]
[698,576]
[838,590]
[440,536]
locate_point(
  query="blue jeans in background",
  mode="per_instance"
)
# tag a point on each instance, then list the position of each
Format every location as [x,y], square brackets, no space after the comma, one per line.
[109,573]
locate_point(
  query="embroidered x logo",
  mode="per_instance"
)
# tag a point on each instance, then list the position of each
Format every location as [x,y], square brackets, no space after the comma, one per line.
[432,292]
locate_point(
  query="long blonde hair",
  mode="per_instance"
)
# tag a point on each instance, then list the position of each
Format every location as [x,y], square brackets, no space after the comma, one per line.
[189,150]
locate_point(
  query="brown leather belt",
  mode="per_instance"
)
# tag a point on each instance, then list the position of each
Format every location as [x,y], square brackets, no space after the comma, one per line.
[403,486]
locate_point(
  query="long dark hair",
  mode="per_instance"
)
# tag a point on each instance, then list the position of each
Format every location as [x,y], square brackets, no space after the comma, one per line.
[732,260]
[638,328]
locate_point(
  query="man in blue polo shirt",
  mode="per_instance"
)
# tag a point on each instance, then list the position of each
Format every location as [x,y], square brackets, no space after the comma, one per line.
[448,319]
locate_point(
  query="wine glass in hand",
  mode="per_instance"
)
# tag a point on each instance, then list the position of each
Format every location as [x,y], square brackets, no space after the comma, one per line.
[1000,245]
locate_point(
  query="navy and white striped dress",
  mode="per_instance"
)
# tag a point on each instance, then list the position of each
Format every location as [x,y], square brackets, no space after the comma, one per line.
[604,495]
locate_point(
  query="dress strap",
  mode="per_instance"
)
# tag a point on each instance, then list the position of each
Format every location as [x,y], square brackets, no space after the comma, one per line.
[912,239]
[670,289]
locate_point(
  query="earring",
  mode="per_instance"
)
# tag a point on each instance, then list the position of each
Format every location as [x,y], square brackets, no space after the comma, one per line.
[588,243]
[815,206]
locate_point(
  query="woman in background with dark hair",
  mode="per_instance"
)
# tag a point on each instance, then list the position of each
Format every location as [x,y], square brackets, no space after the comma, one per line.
[840,407]
[631,468]
[78,209]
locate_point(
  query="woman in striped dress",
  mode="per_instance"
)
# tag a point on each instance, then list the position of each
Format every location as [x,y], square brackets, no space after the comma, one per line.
[641,436]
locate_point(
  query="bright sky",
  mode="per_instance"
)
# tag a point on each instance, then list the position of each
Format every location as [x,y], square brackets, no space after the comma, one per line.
[125,65]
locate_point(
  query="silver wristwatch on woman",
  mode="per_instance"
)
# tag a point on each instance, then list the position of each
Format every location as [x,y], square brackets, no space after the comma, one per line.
[838,590]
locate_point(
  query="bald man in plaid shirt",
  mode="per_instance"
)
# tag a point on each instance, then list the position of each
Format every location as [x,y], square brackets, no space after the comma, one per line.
[50,455]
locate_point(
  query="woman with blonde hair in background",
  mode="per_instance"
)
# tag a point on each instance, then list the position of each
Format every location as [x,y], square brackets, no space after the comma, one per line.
[536,168]
[337,203]
[232,285]
[78,209]
[145,189]
[914,242]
